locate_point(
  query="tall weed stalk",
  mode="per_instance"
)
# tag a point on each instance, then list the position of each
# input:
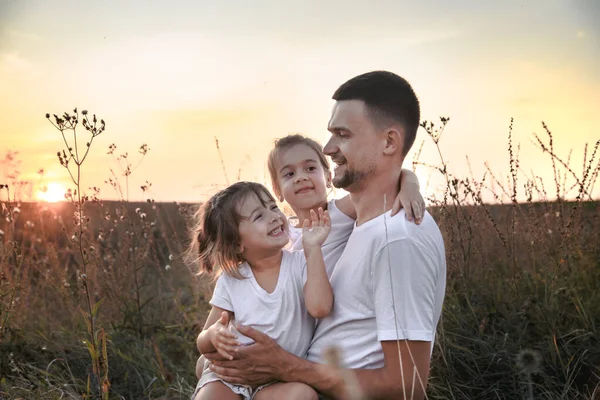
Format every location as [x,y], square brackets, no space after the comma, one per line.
[75,153]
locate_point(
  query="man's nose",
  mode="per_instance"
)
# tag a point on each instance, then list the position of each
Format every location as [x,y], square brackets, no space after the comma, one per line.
[330,148]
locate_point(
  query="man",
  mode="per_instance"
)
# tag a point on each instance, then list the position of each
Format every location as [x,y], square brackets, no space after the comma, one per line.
[389,283]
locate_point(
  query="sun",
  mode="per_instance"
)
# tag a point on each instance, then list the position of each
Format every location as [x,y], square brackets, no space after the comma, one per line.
[53,193]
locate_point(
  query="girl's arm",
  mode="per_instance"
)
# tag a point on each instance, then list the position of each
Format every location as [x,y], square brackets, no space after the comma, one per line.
[215,335]
[318,294]
[409,198]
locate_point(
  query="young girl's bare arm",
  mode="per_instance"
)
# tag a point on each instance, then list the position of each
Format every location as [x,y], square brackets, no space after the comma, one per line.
[215,336]
[409,197]
[318,294]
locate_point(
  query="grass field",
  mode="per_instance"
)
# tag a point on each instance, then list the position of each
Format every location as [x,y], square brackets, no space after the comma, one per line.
[96,300]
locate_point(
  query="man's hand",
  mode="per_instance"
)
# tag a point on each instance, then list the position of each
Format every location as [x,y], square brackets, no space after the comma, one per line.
[256,364]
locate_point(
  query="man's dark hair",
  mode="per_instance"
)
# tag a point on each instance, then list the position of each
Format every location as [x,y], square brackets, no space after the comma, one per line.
[388,97]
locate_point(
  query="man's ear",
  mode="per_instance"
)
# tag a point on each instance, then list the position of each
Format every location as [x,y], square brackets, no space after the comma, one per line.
[394,141]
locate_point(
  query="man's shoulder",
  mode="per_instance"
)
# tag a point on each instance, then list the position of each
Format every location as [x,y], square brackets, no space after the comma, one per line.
[386,229]
[402,227]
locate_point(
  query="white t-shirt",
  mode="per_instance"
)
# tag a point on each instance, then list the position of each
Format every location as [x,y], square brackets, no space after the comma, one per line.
[341,228]
[281,314]
[365,294]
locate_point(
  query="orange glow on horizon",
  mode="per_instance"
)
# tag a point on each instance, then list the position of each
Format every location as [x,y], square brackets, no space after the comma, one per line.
[53,193]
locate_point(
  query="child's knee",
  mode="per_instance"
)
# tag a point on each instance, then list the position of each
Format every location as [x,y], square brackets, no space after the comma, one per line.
[300,391]
[216,390]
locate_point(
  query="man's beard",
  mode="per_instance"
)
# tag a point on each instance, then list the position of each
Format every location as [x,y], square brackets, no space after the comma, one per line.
[349,178]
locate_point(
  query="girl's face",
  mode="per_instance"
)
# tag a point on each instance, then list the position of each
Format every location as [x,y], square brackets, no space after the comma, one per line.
[302,180]
[263,227]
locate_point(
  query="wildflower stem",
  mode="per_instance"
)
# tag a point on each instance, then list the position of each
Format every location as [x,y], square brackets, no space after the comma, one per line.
[87,150]
[222,162]
[62,132]
[530,386]
[15,288]
[84,261]
[97,346]
[76,148]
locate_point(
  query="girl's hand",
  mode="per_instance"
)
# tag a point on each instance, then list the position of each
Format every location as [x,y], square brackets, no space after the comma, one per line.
[315,232]
[224,341]
[411,200]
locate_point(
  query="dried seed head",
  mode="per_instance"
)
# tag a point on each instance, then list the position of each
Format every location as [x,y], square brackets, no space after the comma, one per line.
[529,361]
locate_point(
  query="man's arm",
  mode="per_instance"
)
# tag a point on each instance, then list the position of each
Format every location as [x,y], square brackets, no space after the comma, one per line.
[407,286]
[404,375]
[265,361]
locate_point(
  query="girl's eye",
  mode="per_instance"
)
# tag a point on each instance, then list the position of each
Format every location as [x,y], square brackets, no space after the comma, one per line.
[312,168]
[288,174]
[274,207]
[258,217]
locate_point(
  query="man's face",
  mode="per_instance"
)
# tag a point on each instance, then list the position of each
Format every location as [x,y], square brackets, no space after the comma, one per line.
[354,146]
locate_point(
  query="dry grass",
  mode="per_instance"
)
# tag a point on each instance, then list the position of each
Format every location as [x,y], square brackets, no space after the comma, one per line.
[520,319]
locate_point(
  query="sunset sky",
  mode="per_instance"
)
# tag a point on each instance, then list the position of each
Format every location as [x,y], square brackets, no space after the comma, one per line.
[175,75]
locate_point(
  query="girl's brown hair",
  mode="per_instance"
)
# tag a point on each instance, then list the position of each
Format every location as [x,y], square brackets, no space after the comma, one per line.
[284,144]
[215,238]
